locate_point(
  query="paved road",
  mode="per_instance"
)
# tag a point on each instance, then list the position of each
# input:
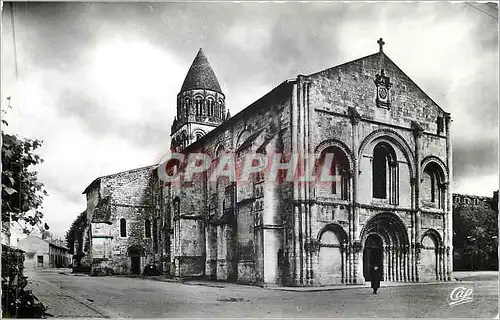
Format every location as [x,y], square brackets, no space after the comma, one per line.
[85,296]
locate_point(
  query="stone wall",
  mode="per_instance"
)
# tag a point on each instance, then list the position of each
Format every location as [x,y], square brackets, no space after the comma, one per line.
[230,216]
[129,196]
[339,108]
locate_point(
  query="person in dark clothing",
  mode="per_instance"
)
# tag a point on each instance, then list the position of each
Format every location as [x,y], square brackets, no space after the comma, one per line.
[375,276]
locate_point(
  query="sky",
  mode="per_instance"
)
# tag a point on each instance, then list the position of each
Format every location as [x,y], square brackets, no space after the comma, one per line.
[97,82]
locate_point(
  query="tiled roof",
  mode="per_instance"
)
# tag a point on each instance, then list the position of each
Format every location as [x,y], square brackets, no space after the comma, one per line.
[201,75]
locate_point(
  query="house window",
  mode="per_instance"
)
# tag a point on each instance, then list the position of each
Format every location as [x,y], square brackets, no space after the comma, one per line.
[123,227]
[39,259]
[147,228]
[385,173]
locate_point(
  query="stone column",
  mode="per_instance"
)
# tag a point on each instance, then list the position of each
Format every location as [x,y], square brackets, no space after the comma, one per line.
[442,264]
[449,201]
[296,258]
[385,255]
[405,264]
[308,188]
[417,133]
[354,236]
[399,273]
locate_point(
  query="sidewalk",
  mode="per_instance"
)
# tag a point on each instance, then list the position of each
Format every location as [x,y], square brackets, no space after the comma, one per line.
[222,284]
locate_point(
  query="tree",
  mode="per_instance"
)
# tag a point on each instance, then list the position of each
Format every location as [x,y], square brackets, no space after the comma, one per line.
[475,230]
[22,193]
[494,201]
[75,232]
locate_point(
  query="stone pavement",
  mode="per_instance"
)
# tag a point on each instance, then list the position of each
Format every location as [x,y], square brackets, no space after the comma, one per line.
[63,304]
[139,297]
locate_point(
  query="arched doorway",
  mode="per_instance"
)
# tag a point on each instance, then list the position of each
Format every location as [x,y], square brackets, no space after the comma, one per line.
[385,241]
[372,254]
[135,252]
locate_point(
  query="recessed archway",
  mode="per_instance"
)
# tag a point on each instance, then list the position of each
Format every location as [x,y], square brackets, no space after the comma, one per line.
[373,254]
[135,253]
[386,238]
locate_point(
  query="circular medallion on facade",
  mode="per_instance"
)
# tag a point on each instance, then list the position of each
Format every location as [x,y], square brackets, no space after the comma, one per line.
[382,93]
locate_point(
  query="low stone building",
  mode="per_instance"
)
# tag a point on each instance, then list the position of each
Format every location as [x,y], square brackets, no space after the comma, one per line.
[124,223]
[44,252]
[472,200]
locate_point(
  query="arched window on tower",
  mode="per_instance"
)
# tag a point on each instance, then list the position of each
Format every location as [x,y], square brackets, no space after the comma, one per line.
[210,107]
[187,105]
[385,173]
[216,110]
[123,227]
[198,104]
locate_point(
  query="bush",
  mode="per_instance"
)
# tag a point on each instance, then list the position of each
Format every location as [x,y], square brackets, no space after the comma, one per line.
[17,302]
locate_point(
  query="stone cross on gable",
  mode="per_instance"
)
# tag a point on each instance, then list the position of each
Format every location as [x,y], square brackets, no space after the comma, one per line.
[381,44]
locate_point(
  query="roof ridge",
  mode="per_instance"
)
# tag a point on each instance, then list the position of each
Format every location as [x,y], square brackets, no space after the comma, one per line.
[117,173]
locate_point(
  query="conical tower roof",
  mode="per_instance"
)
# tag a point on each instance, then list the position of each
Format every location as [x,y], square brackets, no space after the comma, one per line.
[201,75]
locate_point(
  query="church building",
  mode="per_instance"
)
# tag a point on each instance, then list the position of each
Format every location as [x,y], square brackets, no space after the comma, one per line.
[388,142]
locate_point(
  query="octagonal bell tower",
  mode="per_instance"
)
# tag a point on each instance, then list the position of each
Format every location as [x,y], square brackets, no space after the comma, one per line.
[200,104]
